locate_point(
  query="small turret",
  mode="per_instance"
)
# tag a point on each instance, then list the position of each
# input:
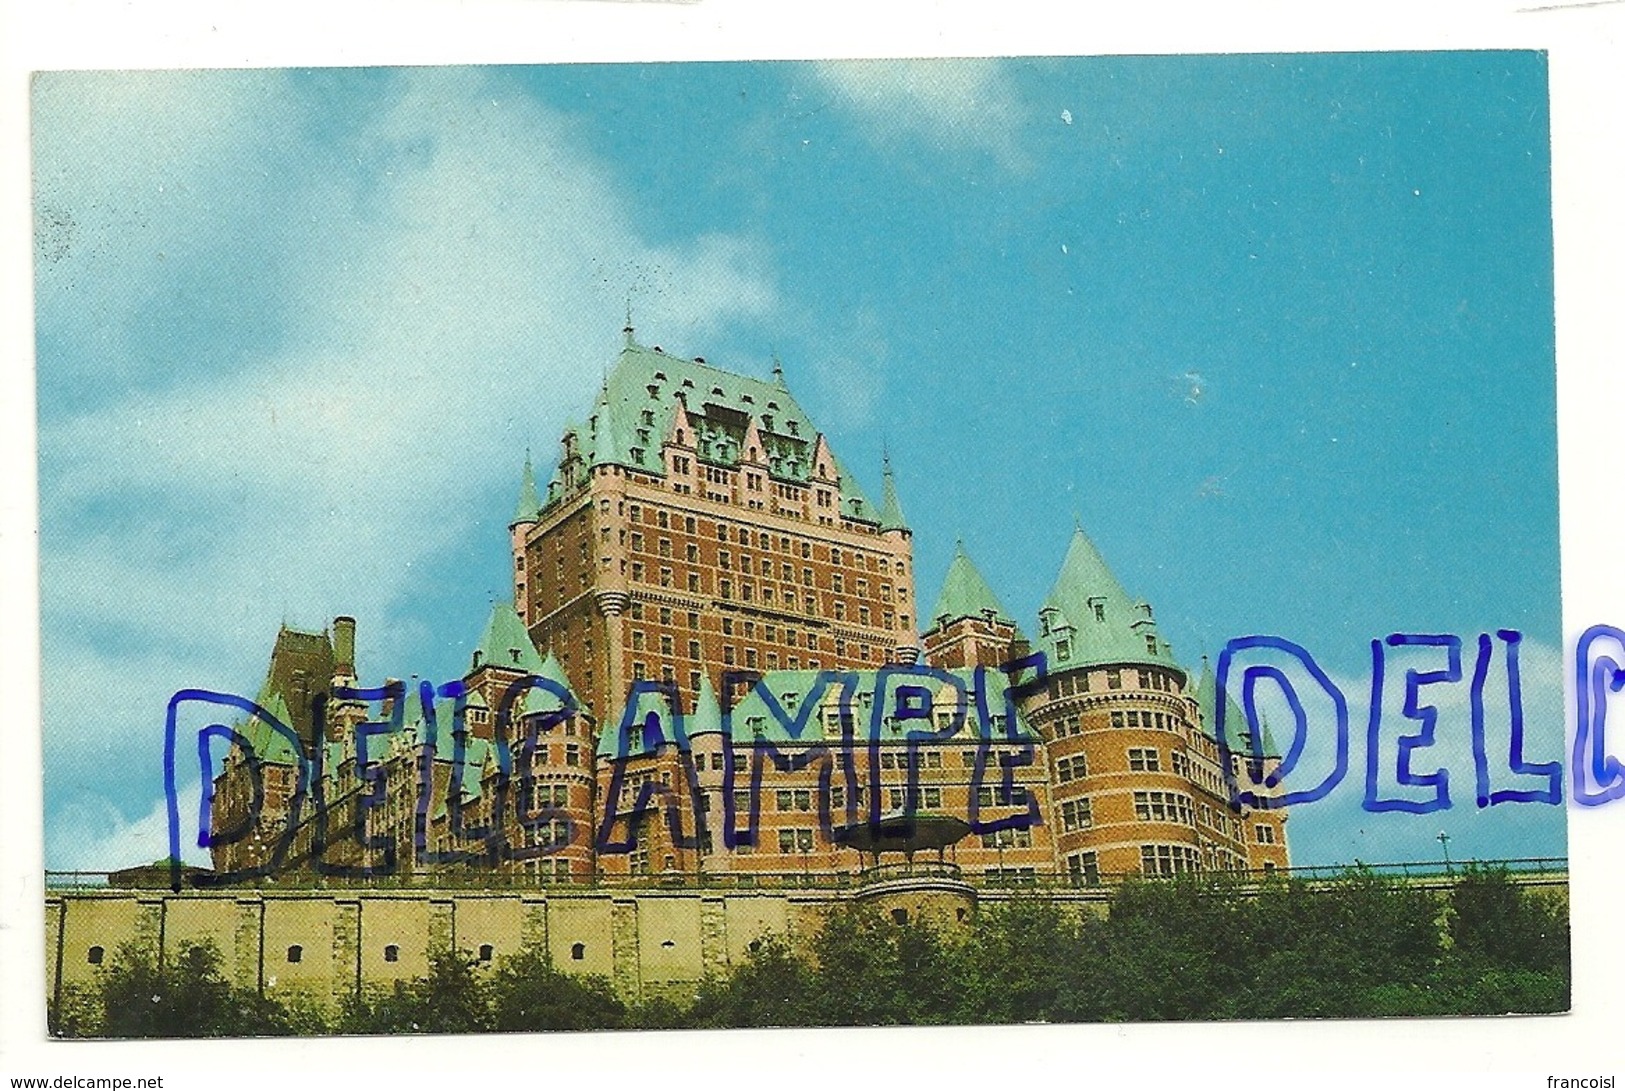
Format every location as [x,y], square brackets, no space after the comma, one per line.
[891,511]
[529,508]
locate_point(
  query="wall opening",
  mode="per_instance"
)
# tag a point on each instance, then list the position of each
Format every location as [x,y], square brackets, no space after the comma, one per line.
[392,953]
[296,953]
[578,951]
[899,916]
[487,952]
[94,956]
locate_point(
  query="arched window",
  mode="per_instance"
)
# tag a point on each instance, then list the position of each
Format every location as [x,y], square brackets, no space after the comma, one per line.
[94,956]
[392,953]
[578,951]
[486,952]
[296,953]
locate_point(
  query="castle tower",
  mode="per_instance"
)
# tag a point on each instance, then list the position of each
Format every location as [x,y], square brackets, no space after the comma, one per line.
[1136,786]
[1263,830]
[697,523]
[969,627]
[526,512]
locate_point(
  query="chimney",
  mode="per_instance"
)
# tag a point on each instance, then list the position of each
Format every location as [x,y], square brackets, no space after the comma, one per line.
[344,647]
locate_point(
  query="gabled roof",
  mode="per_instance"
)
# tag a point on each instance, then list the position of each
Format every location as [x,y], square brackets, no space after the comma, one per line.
[965,593]
[505,644]
[634,411]
[1089,620]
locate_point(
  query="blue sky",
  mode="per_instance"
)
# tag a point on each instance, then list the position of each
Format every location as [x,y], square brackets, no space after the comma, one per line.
[1276,329]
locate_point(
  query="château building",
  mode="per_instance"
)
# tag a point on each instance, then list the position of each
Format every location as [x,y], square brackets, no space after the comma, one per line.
[714,670]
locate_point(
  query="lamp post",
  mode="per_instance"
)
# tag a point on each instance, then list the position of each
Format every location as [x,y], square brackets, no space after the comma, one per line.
[1444,843]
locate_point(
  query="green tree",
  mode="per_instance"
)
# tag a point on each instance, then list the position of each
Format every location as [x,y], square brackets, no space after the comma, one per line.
[1505,925]
[773,987]
[187,997]
[529,993]
[452,999]
[1020,964]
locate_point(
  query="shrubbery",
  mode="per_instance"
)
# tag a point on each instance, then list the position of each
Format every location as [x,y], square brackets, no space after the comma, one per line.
[1360,947]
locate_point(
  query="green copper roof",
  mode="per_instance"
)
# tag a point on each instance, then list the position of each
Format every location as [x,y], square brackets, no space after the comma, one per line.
[529,508]
[965,593]
[1089,620]
[1207,692]
[891,511]
[506,644]
[707,715]
[538,700]
[269,744]
[637,406]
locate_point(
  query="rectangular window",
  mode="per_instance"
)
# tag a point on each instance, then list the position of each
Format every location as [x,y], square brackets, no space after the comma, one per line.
[1076,814]
[1083,868]
[1143,760]
[1160,861]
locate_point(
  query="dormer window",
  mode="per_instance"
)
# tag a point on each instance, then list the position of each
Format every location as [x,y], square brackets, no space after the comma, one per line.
[654,390]
[794,429]
[1099,607]
[660,376]
[514,652]
[648,416]
[716,392]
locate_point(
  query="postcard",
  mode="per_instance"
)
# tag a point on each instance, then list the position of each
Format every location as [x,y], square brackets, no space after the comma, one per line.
[793,544]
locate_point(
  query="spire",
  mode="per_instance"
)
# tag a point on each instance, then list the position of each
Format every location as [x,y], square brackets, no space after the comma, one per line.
[891,511]
[965,593]
[778,372]
[529,509]
[1235,721]
[706,718]
[626,330]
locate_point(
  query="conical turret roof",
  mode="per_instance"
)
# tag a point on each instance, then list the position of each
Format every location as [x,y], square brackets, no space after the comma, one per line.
[965,593]
[1089,620]
[707,715]
[529,508]
[1207,696]
[891,510]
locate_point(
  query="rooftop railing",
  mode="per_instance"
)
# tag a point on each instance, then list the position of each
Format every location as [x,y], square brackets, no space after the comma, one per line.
[1550,869]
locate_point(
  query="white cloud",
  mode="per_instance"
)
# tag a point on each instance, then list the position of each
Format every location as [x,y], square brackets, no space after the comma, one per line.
[1339,828]
[447,305]
[968,103]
